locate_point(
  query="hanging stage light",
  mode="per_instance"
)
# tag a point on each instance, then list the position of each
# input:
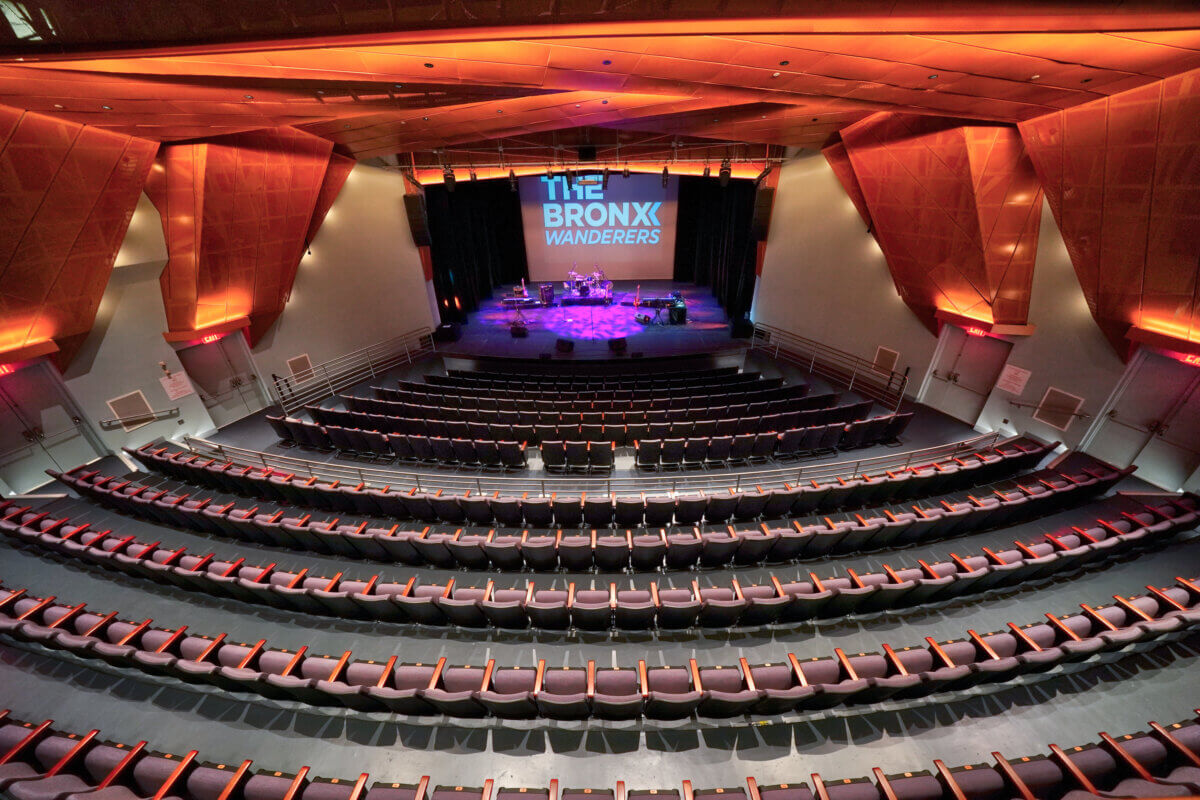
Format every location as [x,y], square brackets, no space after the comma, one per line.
[472,173]
[666,175]
[725,172]
[448,177]
[604,179]
[512,180]
[570,179]
[707,171]
[625,172]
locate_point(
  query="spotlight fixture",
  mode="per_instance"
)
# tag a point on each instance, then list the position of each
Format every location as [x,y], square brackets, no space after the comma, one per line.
[625,172]
[448,177]
[666,176]
[512,180]
[604,179]
[725,172]
[707,171]
[471,172]
[570,179]
[549,172]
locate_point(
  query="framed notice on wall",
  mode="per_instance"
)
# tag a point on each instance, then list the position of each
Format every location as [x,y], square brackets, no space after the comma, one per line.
[176,385]
[1013,379]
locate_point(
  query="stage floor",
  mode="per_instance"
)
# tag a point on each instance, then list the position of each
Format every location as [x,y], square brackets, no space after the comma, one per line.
[590,327]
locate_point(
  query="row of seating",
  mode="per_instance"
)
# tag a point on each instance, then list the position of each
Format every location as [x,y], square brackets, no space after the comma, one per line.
[667,606]
[565,510]
[608,692]
[768,427]
[745,381]
[40,763]
[405,418]
[466,408]
[644,377]
[620,434]
[697,451]
[579,551]
[404,447]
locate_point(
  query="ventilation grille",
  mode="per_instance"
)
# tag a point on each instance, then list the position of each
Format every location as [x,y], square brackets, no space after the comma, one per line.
[1057,408]
[131,410]
[300,367]
[886,358]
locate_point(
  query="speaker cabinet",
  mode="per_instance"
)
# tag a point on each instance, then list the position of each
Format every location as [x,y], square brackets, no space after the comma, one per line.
[418,219]
[617,345]
[741,329]
[447,332]
[564,346]
[764,198]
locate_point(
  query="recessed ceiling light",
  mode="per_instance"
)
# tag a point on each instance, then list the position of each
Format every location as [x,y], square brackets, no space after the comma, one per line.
[1086,80]
[398,86]
[107,108]
[774,74]
[1034,77]
[346,126]
[248,96]
[499,110]
[716,119]
[764,116]
[320,91]
[814,119]
[604,102]
[428,65]
[934,75]
[607,62]
[784,63]
[425,118]
[58,105]
[579,105]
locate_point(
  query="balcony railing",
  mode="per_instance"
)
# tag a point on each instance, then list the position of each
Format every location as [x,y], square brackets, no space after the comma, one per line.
[330,377]
[857,374]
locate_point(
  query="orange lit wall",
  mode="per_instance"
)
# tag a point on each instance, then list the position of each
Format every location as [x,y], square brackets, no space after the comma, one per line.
[67,192]
[954,207]
[1122,178]
[236,212]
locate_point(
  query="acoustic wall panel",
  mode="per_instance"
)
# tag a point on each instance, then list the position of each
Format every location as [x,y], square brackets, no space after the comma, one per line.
[1122,177]
[67,193]
[237,213]
[954,208]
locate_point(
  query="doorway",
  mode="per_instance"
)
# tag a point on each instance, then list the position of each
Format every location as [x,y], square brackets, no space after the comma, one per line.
[224,376]
[40,428]
[963,373]
[1154,421]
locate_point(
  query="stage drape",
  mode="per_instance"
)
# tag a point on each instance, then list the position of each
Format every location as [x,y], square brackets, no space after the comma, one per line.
[713,242]
[477,243]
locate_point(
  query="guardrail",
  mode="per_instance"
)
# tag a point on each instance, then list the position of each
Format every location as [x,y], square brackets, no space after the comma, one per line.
[548,485]
[141,419]
[330,377]
[857,374]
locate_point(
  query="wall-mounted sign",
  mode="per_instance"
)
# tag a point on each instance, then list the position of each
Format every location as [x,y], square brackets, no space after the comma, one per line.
[1013,379]
[176,385]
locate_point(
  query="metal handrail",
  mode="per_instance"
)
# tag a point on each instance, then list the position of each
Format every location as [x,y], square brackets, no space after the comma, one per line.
[546,486]
[885,386]
[330,377]
[149,416]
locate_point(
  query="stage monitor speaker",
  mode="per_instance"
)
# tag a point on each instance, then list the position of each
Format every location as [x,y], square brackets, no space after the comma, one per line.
[518,331]
[564,346]
[418,219]
[617,345]
[447,332]
[677,315]
[764,198]
[741,329]
[587,152]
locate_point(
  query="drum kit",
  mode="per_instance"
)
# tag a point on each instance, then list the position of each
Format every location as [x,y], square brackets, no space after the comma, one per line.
[584,285]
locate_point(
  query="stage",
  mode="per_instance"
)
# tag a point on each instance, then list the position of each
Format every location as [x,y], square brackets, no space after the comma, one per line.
[590,327]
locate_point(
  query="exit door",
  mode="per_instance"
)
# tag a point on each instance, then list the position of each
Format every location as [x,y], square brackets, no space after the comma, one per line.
[40,428]
[224,378]
[964,373]
[1154,423]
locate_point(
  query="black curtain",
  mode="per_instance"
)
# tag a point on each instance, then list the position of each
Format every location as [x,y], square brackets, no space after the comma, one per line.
[477,243]
[714,243]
